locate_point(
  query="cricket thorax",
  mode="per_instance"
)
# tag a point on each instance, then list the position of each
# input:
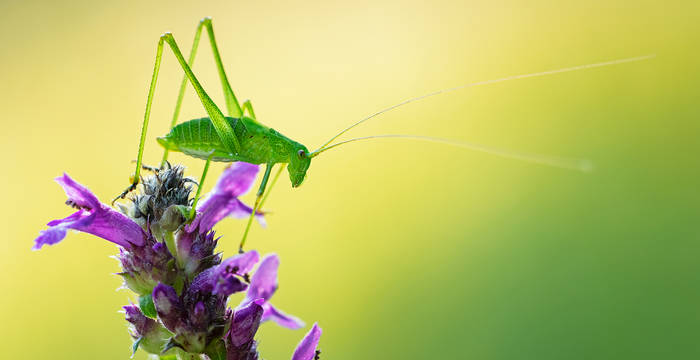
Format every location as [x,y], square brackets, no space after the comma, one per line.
[259,143]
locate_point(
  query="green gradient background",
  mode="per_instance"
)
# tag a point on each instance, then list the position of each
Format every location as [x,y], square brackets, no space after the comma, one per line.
[401,250]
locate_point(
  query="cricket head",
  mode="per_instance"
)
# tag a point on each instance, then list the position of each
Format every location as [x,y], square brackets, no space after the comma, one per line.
[299,161]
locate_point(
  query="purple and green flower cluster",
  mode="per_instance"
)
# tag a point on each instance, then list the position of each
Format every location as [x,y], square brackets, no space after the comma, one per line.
[169,261]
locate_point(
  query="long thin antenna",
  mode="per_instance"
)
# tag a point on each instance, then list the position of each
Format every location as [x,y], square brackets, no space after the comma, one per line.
[564,163]
[514,77]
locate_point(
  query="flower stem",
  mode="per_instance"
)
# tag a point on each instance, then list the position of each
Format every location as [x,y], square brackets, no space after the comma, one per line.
[193,211]
[172,246]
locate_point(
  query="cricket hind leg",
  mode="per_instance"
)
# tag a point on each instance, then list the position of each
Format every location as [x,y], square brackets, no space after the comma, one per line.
[247,105]
[221,125]
[232,105]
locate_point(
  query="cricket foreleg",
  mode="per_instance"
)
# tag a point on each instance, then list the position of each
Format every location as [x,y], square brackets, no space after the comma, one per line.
[144,127]
[272,184]
[258,198]
[193,210]
[152,169]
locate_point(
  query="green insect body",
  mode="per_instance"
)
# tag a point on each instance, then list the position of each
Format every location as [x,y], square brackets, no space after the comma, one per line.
[259,145]
[240,137]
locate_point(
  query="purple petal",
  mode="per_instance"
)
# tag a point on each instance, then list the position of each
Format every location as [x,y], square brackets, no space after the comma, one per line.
[306,350]
[218,206]
[225,278]
[115,227]
[93,218]
[228,284]
[107,224]
[243,211]
[264,282]
[237,179]
[223,201]
[241,263]
[77,193]
[282,319]
[245,323]
[59,228]
[263,285]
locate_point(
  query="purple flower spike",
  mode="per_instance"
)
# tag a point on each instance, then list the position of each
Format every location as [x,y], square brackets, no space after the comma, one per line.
[223,201]
[245,323]
[306,350]
[93,217]
[263,285]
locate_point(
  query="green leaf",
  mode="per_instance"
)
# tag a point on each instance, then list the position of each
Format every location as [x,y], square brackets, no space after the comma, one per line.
[147,306]
[184,210]
[135,346]
[216,350]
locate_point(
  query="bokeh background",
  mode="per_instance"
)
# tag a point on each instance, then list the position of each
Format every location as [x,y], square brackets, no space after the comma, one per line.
[399,249]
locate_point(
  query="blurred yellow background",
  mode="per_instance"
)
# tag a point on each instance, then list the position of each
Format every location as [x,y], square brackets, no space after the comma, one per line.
[399,249]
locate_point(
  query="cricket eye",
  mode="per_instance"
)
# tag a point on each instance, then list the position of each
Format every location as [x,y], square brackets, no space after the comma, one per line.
[301,153]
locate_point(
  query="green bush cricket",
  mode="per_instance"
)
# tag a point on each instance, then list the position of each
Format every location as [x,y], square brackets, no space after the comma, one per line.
[240,137]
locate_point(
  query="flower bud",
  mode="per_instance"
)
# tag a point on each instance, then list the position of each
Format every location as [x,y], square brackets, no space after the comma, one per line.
[196,251]
[166,188]
[245,323]
[169,308]
[146,266]
[148,334]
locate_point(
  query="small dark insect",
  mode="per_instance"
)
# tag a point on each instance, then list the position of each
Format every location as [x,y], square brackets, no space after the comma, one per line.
[76,206]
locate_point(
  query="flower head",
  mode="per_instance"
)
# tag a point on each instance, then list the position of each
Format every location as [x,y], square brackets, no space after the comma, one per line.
[166,189]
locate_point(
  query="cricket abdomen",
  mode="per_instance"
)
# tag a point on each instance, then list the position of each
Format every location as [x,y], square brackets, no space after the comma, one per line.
[259,144]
